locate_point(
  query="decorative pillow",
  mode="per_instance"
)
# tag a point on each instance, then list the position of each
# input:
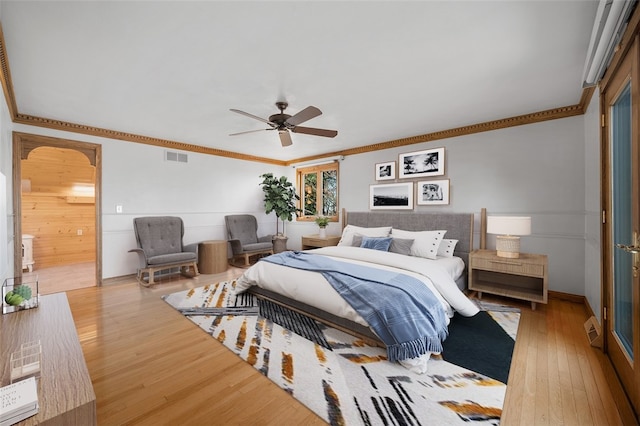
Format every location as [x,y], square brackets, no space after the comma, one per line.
[357,240]
[425,243]
[447,247]
[379,243]
[350,230]
[401,246]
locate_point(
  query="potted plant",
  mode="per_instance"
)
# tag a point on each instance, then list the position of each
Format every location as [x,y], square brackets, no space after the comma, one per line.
[279,197]
[322,222]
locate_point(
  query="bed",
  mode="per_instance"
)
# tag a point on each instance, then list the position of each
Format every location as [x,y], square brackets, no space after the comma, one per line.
[444,272]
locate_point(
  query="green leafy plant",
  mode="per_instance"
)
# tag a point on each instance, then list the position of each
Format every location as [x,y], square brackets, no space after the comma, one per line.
[19,294]
[280,197]
[322,221]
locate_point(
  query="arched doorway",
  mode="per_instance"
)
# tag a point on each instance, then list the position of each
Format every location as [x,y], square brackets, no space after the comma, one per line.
[56,185]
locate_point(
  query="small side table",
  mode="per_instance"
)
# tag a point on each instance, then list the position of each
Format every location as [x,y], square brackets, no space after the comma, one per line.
[212,257]
[523,278]
[27,252]
[315,241]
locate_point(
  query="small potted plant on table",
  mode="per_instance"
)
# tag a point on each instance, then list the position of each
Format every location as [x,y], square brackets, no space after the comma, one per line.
[322,222]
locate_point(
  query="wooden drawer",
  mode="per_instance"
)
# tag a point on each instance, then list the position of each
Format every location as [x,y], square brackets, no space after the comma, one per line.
[316,242]
[312,241]
[508,266]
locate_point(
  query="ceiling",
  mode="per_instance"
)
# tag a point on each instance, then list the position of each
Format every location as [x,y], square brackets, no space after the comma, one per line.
[379,71]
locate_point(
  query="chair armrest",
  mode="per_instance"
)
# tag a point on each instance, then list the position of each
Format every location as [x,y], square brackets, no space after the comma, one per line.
[141,256]
[193,248]
[236,246]
[265,239]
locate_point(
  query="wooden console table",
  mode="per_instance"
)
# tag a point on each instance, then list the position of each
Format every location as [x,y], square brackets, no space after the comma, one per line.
[65,392]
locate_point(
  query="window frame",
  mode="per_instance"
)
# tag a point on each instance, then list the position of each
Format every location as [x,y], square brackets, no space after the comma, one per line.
[318,170]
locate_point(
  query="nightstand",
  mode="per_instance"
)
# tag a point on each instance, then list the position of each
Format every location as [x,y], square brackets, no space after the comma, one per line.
[212,256]
[315,241]
[523,278]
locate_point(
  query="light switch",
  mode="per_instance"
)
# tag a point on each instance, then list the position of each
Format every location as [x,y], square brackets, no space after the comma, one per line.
[119,208]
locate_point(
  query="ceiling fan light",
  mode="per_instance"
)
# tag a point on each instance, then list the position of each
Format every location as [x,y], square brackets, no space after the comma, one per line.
[285,137]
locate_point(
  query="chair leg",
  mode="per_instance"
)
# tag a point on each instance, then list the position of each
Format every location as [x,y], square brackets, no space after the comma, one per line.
[246,259]
[141,277]
[190,270]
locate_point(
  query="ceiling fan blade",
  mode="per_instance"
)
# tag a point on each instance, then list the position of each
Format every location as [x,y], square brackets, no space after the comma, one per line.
[313,131]
[285,138]
[248,131]
[250,115]
[306,114]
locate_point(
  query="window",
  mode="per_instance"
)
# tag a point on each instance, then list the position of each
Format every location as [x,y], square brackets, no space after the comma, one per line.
[318,191]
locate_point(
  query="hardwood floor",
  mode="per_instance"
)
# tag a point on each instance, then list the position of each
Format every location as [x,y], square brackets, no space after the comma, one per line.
[56,279]
[149,365]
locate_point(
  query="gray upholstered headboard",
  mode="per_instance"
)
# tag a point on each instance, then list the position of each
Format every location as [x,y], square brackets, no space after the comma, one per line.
[459,226]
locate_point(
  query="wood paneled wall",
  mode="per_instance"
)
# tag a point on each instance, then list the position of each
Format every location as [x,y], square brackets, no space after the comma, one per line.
[54,210]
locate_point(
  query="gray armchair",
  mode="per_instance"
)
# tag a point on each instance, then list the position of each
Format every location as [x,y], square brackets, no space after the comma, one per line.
[242,234]
[160,247]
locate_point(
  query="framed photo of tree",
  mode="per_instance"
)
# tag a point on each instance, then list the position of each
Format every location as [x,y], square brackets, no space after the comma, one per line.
[425,163]
[433,192]
[393,196]
[386,171]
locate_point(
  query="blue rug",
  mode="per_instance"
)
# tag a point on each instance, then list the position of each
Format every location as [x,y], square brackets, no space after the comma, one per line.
[491,345]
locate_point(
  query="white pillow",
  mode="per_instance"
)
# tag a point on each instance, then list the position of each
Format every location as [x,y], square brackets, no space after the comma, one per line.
[425,243]
[350,230]
[447,247]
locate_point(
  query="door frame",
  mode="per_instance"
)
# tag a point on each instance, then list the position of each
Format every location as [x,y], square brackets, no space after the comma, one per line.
[23,144]
[631,58]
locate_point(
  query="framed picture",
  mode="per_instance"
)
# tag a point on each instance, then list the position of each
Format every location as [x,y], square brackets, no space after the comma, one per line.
[386,171]
[421,163]
[391,196]
[433,192]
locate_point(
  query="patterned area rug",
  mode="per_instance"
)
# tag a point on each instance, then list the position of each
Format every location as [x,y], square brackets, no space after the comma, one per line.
[349,382]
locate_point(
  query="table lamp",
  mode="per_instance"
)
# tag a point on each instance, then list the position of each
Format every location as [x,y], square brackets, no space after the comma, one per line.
[509,229]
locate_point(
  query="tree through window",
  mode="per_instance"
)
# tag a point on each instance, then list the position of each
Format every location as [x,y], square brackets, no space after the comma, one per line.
[318,187]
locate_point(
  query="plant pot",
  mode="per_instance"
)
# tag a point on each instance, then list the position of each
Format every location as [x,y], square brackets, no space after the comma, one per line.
[322,233]
[279,244]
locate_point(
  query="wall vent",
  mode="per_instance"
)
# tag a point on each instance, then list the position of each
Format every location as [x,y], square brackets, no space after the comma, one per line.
[176,156]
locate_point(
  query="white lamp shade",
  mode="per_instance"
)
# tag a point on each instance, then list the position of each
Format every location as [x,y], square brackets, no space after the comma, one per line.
[509,225]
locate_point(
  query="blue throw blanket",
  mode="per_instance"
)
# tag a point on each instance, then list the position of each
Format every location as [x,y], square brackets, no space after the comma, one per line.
[399,308]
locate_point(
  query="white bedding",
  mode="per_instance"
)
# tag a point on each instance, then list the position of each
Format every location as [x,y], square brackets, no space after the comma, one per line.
[312,289]
[453,265]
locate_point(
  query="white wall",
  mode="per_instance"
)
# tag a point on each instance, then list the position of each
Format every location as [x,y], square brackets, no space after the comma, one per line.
[6,205]
[535,170]
[202,192]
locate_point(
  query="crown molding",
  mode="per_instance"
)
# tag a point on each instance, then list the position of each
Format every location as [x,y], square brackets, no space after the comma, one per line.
[5,78]
[587,93]
[131,137]
[536,117]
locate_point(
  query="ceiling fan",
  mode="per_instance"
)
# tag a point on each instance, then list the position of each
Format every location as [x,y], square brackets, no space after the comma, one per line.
[285,123]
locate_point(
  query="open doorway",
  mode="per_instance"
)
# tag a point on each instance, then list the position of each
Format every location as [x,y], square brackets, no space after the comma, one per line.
[57,212]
